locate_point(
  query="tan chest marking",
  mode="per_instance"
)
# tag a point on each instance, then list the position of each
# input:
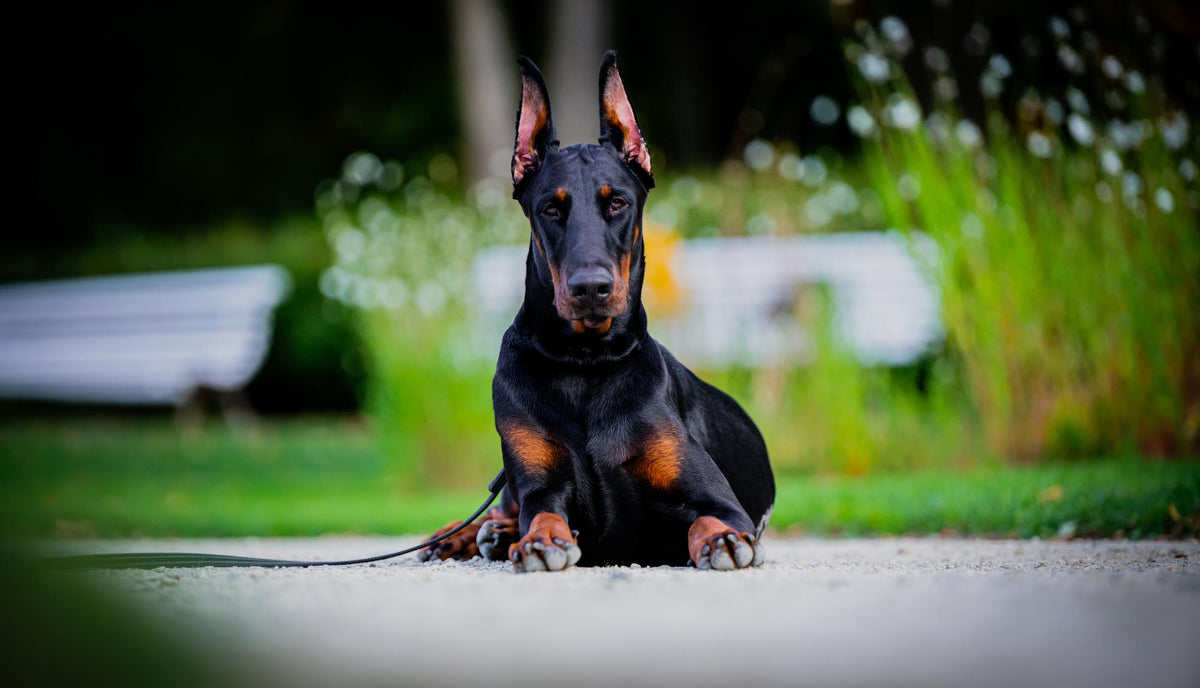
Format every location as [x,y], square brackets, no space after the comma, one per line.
[537,453]
[661,458]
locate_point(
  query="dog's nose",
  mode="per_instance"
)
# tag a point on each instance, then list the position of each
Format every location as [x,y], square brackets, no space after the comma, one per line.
[590,286]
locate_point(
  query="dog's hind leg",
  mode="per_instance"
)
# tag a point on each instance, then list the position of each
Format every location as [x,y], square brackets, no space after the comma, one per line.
[499,530]
[461,545]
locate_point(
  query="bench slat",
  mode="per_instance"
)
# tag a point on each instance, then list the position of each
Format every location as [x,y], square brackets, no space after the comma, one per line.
[149,338]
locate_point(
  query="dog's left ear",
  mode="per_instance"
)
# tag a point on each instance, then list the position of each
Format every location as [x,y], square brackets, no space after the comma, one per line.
[618,127]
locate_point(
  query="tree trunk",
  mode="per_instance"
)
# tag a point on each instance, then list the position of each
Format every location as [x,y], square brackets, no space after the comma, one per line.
[487,86]
[579,37]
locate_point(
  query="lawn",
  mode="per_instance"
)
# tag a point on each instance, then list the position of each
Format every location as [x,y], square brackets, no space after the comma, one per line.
[107,478]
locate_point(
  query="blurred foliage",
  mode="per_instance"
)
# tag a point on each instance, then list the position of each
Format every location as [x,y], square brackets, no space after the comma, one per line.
[833,414]
[58,630]
[311,477]
[1067,257]
[1070,257]
[402,258]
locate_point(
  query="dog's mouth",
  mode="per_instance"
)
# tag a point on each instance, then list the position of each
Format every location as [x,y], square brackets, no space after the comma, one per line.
[592,323]
[596,319]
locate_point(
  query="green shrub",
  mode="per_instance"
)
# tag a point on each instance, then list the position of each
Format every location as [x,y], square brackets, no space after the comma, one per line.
[402,259]
[1069,266]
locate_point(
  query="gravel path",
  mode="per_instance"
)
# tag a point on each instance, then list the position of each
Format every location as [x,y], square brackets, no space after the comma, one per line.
[914,612]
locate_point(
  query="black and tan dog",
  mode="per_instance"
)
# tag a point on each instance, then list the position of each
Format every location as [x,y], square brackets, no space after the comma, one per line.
[614,452]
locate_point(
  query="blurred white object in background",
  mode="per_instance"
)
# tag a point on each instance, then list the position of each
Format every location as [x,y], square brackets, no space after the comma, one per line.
[741,296]
[152,338]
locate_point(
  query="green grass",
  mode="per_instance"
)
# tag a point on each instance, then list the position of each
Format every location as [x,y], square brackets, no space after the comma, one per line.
[71,478]
[148,477]
[1103,498]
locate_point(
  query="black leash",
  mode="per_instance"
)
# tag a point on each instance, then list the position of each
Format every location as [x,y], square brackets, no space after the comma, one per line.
[189,560]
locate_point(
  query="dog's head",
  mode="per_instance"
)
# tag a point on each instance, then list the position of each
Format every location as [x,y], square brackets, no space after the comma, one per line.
[584,202]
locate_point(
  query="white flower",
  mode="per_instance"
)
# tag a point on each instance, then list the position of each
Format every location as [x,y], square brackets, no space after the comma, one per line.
[1081,129]
[824,110]
[1164,200]
[1038,144]
[967,133]
[861,122]
[759,155]
[1110,162]
[902,112]
[874,67]
[1000,66]
[936,59]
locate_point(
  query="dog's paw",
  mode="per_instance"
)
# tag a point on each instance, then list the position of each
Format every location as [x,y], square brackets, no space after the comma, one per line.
[714,545]
[461,545]
[548,546]
[495,537]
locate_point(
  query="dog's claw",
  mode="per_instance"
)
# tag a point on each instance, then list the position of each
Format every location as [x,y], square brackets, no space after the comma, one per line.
[729,551]
[555,554]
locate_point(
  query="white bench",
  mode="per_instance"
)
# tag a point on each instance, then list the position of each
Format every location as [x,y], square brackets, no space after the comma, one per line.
[739,297]
[153,338]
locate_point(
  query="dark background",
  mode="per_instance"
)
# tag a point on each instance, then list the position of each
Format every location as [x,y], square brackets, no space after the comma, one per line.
[165,120]
[172,116]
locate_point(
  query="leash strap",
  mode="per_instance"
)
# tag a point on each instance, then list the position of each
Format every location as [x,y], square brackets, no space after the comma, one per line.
[190,560]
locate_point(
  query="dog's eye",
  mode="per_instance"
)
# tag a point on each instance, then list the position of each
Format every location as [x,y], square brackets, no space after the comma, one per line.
[552,212]
[616,204]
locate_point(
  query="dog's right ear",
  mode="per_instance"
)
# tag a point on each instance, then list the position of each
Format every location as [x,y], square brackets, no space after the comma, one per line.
[535,129]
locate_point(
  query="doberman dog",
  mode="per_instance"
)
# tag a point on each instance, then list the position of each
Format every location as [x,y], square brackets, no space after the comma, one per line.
[614,452]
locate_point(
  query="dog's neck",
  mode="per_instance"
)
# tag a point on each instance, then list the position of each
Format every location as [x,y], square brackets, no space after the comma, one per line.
[555,338]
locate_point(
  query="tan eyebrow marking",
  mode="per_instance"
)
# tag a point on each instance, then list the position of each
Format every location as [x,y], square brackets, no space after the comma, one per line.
[560,194]
[606,190]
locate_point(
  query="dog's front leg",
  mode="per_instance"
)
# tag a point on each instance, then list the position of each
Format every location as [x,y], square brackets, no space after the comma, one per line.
[537,468]
[681,471]
[721,535]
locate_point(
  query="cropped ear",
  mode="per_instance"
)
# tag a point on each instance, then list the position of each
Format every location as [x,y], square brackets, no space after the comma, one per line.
[535,129]
[618,127]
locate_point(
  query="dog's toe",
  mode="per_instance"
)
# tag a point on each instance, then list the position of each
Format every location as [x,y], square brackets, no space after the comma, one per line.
[760,554]
[720,560]
[495,536]
[743,551]
[549,546]
[461,545]
[727,551]
[542,556]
